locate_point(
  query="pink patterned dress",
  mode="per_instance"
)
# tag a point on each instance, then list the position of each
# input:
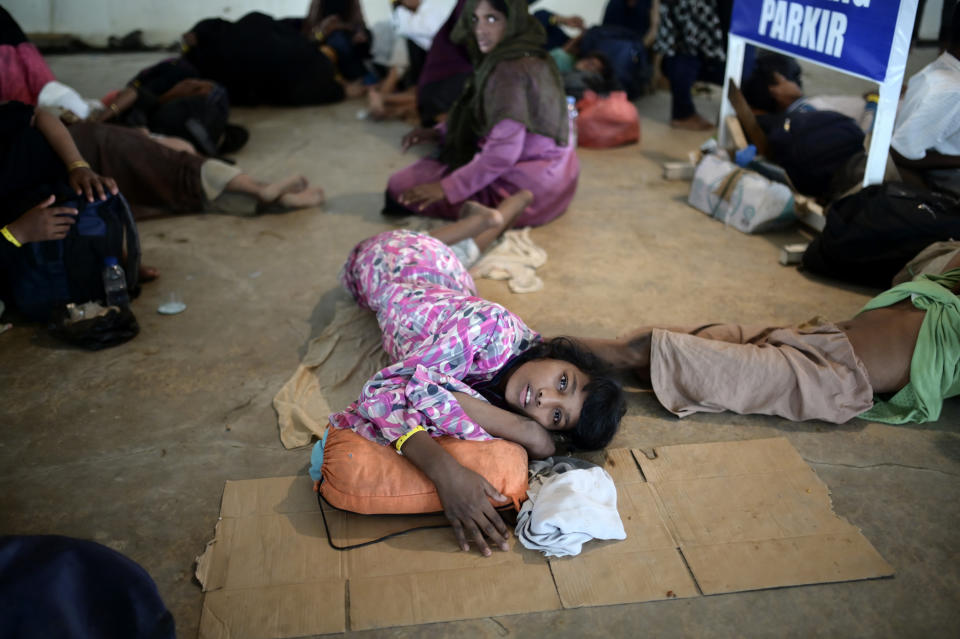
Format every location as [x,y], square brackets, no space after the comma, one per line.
[442,338]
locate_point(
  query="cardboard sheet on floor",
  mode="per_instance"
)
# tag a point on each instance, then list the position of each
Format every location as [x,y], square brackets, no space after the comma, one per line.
[700,519]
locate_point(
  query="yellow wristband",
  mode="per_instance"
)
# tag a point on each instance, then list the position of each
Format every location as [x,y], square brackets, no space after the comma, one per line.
[410,433]
[79,164]
[115,108]
[7,234]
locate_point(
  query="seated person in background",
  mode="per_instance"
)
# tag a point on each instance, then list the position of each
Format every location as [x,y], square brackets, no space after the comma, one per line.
[339,25]
[926,137]
[23,71]
[171,98]
[260,60]
[509,130]
[905,342]
[819,141]
[776,86]
[39,163]
[690,37]
[25,76]
[418,21]
[593,71]
[446,69]
[414,25]
[557,38]
[628,29]
[180,182]
[468,368]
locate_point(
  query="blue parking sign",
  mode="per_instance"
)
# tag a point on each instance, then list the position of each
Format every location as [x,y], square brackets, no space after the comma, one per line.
[851,35]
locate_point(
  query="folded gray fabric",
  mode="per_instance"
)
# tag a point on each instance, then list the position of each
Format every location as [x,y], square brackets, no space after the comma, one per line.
[568,505]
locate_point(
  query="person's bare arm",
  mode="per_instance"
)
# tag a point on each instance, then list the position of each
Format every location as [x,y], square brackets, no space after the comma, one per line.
[124,100]
[312,18]
[83,180]
[572,45]
[507,425]
[932,160]
[651,35]
[463,493]
[628,352]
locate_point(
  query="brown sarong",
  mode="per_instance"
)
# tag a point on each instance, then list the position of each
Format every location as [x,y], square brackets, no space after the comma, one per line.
[156,180]
[802,372]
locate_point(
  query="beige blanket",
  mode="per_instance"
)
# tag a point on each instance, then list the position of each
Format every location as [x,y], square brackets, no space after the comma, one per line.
[338,362]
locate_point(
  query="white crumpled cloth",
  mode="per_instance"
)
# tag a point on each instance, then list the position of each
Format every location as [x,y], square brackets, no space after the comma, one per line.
[570,502]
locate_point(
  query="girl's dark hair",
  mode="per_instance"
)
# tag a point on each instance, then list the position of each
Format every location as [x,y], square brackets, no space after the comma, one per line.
[756,88]
[609,77]
[605,403]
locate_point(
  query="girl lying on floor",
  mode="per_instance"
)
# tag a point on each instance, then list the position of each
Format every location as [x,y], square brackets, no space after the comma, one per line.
[466,367]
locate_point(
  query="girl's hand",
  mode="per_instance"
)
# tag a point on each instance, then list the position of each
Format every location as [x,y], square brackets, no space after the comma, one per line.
[43,222]
[419,135]
[85,182]
[420,197]
[464,494]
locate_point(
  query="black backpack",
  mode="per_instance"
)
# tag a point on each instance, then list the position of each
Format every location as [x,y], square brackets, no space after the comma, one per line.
[812,146]
[872,234]
[47,275]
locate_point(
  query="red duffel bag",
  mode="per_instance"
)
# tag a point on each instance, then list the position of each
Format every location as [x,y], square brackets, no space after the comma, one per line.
[606,121]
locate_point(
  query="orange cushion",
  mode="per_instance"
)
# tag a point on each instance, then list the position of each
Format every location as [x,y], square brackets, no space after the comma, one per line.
[364,477]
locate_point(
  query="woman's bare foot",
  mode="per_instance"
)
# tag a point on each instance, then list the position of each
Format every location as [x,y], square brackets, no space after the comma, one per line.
[486,217]
[290,185]
[302,199]
[375,107]
[483,223]
[695,122]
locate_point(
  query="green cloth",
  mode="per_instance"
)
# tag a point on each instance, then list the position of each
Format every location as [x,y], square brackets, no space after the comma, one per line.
[531,94]
[935,367]
[564,60]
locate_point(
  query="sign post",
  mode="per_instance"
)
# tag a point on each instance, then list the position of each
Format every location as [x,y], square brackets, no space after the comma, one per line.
[865,38]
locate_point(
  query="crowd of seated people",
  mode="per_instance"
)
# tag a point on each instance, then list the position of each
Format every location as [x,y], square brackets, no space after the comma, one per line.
[488,82]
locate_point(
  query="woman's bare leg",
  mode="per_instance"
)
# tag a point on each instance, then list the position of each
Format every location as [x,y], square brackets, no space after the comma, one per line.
[483,223]
[510,209]
[266,193]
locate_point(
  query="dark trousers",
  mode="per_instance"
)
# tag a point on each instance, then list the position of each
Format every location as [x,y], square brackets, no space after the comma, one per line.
[683,70]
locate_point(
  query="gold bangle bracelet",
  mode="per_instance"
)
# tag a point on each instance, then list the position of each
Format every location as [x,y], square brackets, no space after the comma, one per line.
[115,108]
[10,238]
[79,164]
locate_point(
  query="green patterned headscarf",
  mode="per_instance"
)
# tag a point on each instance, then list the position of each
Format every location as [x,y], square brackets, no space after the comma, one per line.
[526,87]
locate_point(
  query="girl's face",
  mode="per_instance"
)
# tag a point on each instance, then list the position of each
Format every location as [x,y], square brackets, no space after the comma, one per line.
[489,25]
[549,391]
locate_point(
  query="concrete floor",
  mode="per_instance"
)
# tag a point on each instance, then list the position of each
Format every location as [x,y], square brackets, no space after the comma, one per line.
[131,446]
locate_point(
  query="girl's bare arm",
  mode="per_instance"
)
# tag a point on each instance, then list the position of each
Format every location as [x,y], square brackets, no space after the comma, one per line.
[507,425]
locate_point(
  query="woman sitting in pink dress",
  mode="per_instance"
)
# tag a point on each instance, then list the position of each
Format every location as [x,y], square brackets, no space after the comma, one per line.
[507,132]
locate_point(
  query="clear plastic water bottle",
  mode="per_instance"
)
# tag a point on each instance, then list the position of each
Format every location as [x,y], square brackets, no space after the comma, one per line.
[115,283]
[572,114]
